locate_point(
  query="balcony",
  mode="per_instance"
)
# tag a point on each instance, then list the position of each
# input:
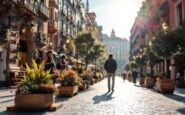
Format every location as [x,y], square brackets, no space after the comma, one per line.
[52,26]
[41,39]
[164,8]
[54,3]
[43,11]
[28,7]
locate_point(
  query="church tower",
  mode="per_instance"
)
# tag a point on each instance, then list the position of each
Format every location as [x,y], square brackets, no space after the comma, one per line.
[113,34]
[87,6]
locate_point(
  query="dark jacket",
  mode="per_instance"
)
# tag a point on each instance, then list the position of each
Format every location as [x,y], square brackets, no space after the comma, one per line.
[134,74]
[110,66]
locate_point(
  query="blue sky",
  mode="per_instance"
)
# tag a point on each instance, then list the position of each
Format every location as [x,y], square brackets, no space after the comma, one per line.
[117,14]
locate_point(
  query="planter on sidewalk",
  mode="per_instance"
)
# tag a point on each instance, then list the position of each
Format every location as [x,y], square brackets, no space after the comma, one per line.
[149,82]
[82,86]
[165,86]
[67,90]
[92,81]
[141,81]
[87,84]
[33,102]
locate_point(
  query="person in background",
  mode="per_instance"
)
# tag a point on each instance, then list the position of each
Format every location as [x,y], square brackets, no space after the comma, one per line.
[134,76]
[49,63]
[62,65]
[110,67]
[124,76]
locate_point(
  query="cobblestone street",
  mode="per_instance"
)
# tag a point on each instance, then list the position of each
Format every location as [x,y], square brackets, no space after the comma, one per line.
[126,100]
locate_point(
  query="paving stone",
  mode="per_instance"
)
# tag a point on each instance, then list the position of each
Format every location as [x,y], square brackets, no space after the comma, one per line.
[126,100]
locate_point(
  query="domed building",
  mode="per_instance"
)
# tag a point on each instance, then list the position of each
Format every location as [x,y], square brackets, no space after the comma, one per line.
[119,47]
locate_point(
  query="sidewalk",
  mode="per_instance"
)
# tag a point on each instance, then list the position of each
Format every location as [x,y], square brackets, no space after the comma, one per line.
[126,100]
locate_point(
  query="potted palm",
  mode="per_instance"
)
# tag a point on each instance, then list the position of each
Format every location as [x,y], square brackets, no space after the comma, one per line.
[36,90]
[69,81]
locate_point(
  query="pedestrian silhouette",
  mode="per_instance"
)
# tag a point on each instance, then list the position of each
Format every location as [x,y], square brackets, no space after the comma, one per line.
[110,67]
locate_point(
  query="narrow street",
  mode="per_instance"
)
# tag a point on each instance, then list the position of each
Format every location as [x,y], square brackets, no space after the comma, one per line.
[126,100]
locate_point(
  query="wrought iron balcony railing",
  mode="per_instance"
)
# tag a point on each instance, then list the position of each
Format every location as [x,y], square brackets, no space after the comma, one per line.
[43,10]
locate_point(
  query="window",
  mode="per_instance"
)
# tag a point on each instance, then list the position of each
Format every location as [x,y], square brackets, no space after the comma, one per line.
[179,13]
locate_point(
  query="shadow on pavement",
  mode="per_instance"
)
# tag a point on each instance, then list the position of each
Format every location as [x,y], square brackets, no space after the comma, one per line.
[175,97]
[104,97]
[181,111]
[180,90]
[7,96]
[20,113]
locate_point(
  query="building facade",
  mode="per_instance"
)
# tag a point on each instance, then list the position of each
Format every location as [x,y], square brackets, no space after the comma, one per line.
[24,29]
[152,16]
[119,47]
[71,21]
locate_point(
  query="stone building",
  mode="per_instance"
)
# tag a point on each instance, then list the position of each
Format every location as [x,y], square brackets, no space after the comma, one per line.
[119,47]
[151,16]
[24,29]
[71,21]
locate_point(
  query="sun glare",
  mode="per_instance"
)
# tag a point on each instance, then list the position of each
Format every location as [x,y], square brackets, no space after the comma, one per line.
[120,15]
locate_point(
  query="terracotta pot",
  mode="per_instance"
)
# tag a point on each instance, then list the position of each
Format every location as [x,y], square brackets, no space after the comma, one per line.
[87,83]
[92,81]
[141,81]
[33,102]
[68,90]
[82,86]
[149,82]
[165,86]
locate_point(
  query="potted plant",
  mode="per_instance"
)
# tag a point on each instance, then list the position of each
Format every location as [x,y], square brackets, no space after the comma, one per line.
[82,85]
[165,85]
[87,78]
[69,81]
[36,90]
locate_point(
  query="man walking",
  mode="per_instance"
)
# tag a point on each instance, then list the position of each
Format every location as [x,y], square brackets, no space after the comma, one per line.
[110,67]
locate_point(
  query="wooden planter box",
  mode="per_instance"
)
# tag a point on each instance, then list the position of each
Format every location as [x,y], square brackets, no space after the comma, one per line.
[92,81]
[180,84]
[141,81]
[87,84]
[82,86]
[149,82]
[68,90]
[165,86]
[33,102]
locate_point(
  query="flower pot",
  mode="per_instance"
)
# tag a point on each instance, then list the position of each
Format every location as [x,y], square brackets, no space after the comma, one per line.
[92,81]
[87,83]
[82,86]
[180,84]
[68,90]
[33,102]
[141,81]
[149,82]
[165,86]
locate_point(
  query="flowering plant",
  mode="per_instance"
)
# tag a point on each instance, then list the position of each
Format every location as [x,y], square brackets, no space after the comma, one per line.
[86,76]
[68,78]
[36,81]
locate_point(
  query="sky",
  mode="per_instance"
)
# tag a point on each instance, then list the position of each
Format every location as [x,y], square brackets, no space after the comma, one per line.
[117,14]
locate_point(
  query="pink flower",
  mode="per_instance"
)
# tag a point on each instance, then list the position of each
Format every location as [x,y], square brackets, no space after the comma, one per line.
[58,79]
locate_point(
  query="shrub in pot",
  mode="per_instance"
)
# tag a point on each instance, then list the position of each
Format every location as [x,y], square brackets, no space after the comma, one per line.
[69,81]
[36,90]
